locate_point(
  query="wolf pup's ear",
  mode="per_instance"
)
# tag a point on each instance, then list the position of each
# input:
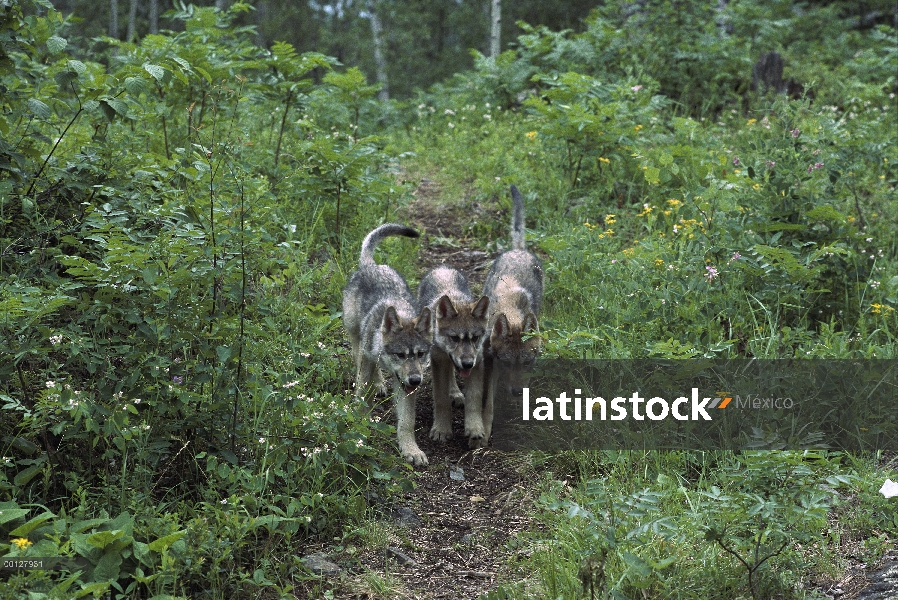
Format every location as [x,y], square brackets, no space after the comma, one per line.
[481,309]
[500,327]
[391,320]
[530,324]
[423,324]
[445,309]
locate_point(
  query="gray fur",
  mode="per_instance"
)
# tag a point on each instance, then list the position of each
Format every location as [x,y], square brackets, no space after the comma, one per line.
[514,286]
[459,330]
[387,332]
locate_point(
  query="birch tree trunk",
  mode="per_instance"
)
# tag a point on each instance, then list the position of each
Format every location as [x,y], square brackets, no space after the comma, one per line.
[113,19]
[132,17]
[496,28]
[379,60]
[154,16]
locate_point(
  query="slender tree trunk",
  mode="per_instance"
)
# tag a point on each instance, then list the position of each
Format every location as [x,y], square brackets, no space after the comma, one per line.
[132,17]
[261,18]
[113,19]
[154,16]
[495,29]
[379,60]
[723,26]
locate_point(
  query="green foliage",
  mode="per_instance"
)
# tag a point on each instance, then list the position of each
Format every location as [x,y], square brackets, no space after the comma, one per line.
[680,215]
[177,217]
[168,303]
[684,524]
[738,236]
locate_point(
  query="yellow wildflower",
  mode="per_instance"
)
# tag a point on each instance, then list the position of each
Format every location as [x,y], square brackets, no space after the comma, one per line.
[674,203]
[659,263]
[22,543]
[531,135]
[637,128]
[604,160]
[752,121]
[645,211]
[881,309]
[756,187]
[610,220]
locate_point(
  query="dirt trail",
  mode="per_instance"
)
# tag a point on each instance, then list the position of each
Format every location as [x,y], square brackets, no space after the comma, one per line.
[469,504]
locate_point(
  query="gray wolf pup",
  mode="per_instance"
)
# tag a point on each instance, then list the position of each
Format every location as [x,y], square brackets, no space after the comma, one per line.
[387,333]
[459,330]
[514,285]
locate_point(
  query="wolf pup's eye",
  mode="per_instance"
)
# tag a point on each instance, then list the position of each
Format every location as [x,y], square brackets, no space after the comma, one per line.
[454,339]
[400,355]
[474,338]
[421,353]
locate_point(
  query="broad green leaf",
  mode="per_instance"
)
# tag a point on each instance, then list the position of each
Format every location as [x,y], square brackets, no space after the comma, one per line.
[142,553]
[224,353]
[56,44]
[64,78]
[101,539]
[23,477]
[163,543]
[108,111]
[40,110]
[24,530]
[95,589]
[118,106]
[135,85]
[107,568]
[11,514]
[77,66]
[156,71]
[636,564]
[184,64]
[268,521]
[204,73]
[81,526]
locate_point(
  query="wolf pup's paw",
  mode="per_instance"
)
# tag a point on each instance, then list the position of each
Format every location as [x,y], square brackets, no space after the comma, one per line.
[474,432]
[478,442]
[439,433]
[415,456]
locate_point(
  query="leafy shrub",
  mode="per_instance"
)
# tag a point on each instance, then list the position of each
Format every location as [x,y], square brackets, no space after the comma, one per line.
[167,302]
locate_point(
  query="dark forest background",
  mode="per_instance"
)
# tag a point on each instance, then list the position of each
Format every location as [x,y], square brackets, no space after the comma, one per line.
[424,41]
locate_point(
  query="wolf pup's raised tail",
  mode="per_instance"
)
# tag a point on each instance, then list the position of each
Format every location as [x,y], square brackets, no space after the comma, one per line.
[517,220]
[366,260]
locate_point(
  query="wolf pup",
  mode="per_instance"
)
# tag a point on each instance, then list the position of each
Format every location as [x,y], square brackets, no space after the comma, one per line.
[387,333]
[459,329]
[514,285]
